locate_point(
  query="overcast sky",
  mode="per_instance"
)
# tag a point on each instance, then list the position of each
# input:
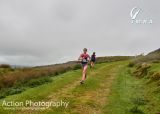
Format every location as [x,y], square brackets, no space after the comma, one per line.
[39,32]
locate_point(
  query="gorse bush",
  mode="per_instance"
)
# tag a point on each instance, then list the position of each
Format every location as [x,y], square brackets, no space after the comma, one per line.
[9,79]
[155,76]
[141,70]
[5,66]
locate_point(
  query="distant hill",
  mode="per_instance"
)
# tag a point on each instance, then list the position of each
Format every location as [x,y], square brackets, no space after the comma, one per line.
[155,52]
[153,56]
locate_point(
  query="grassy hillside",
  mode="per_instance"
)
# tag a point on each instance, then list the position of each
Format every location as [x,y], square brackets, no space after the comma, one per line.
[137,88]
[113,86]
[152,57]
[16,80]
[110,88]
[154,52]
[112,58]
[136,91]
[84,99]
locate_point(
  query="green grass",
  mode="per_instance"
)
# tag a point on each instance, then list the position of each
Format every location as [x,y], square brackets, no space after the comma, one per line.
[119,97]
[131,95]
[128,95]
[95,77]
[22,86]
[43,91]
[80,95]
[155,67]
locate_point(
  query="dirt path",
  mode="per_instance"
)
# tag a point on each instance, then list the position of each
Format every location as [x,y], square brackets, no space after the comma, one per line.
[85,99]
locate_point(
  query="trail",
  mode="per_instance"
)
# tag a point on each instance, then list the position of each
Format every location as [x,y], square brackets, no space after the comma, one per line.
[89,98]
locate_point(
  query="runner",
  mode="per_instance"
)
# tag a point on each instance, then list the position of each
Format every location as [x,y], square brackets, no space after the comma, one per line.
[93,59]
[84,58]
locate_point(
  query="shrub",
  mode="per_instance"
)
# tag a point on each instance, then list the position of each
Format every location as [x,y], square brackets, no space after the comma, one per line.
[2,95]
[21,86]
[155,76]
[136,110]
[9,79]
[10,91]
[137,102]
[141,70]
[37,82]
[56,73]
[76,67]
[5,66]
[131,64]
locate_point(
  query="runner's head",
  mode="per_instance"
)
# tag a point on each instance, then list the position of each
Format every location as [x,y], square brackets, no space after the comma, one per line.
[94,53]
[85,50]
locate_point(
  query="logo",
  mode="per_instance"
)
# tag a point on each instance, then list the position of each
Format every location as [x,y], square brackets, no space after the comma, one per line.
[134,12]
[134,17]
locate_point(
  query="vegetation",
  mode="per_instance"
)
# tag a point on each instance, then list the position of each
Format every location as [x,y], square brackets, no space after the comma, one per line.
[135,91]
[152,57]
[5,66]
[20,87]
[91,95]
[13,81]
[137,87]
[113,85]
[112,59]
[9,77]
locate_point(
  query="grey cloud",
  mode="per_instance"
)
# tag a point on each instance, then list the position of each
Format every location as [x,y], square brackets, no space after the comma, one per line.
[37,32]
